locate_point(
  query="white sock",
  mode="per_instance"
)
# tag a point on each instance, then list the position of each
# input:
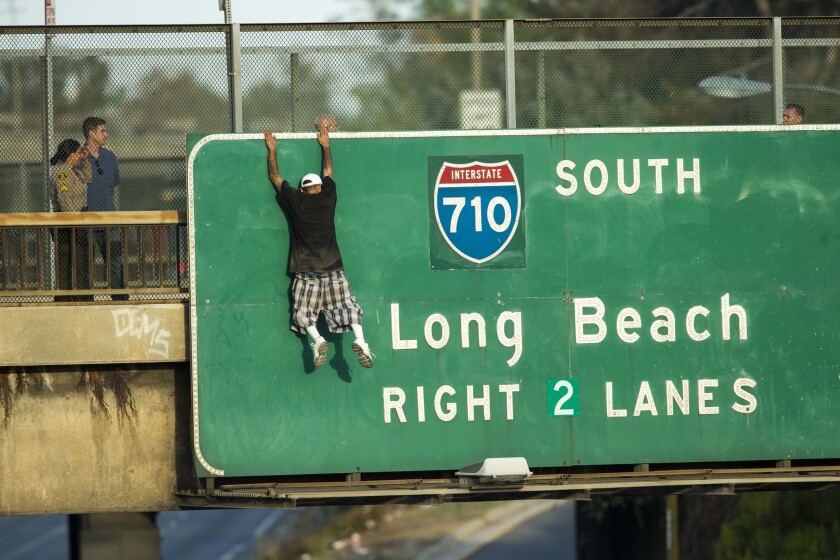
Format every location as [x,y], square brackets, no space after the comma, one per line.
[313,332]
[357,330]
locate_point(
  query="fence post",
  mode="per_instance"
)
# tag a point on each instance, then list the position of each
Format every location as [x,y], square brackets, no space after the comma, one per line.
[778,72]
[47,88]
[234,49]
[475,37]
[541,89]
[510,75]
[293,80]
[47,143]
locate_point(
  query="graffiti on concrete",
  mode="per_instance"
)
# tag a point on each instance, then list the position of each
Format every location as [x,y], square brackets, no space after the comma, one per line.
[136,323]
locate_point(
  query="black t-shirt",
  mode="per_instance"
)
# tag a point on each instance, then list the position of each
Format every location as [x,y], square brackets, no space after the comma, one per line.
[313,246]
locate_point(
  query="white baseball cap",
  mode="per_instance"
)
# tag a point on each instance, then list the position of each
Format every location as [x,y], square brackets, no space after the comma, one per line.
[310,179]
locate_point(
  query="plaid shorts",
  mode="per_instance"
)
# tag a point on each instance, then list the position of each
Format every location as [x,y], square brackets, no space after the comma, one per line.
[313,292]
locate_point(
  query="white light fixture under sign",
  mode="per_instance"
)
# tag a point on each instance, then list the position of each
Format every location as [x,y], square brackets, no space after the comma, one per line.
[500,470]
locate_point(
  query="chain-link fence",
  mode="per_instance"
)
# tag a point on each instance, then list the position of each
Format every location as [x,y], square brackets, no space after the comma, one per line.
[155,84]
[811,71]
[624,73]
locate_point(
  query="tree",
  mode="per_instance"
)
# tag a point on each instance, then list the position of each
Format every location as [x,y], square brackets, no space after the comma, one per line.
[290,98]
[584,88]
[173,105]
[525,9]
[592,86]
[80,85]
[21,86]
[783,526]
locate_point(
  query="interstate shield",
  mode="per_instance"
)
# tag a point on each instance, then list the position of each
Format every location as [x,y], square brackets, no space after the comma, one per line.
[477,207]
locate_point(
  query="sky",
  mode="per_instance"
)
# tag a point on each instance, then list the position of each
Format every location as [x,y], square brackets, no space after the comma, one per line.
[141,12]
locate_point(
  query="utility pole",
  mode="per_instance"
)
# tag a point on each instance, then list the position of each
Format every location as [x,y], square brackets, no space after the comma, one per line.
[224,5]
[233,64]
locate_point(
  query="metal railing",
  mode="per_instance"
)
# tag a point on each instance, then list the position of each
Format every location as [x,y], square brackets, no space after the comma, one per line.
[93,256]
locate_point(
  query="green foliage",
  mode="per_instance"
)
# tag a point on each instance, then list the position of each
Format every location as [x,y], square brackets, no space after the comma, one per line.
[175,104]
[783,526]
[21,81]
[527,9]
[79,82]
[272,103]
[594,86]
[83,83]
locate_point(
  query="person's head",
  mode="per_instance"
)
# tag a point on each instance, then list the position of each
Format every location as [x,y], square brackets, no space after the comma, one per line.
[64,150]
[94,131]
[311,183]
[794,114]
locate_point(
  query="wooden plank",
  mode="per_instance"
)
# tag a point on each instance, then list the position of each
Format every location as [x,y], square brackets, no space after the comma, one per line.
[46,219]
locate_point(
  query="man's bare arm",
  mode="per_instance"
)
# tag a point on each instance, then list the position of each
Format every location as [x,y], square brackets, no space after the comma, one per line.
[324,140]
[273,172]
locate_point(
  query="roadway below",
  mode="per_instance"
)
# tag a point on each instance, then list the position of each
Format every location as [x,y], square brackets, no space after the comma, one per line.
[185,535]
[549,535]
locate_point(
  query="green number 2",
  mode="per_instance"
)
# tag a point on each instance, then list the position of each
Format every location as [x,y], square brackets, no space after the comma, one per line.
[563,399]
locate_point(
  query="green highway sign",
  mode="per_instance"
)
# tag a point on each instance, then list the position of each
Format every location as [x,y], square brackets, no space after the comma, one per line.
[592,297]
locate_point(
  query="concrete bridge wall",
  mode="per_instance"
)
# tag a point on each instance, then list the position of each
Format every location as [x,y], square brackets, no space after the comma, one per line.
[93,334]
[94,408]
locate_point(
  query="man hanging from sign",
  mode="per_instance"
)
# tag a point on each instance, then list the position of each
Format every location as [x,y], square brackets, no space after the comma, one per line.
[314,257]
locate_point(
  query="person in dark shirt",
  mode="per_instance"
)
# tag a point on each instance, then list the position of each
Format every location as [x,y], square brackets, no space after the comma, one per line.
[319,283]
[105,174]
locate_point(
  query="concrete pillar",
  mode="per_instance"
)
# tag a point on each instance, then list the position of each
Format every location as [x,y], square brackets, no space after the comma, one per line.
[114,536]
